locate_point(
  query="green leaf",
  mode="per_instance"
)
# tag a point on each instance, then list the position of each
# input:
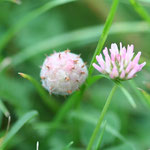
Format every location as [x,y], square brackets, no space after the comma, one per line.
[27,18]
[17,126]
[4,109]
[128,95]
[140,10]
[49,101]
[105,32]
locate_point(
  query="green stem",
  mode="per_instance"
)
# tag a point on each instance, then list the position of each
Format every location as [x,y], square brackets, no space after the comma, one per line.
[96,130]
[105,32]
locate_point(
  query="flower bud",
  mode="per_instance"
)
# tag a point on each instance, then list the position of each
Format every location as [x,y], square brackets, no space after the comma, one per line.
[63,73]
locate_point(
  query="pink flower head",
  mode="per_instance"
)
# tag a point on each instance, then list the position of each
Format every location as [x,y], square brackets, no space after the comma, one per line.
[119,64]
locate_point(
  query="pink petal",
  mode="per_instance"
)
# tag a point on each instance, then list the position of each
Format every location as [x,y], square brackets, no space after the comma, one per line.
[114,64]
[118,57]
[114,49]
[107,60]
[112,57]
[129,54]
[136,69]
[105,52]
[129,67]
[123,53]
[130,48]
[132,73]
[100,61]
[111,76]
[141,66]
[120,46]
[98,68]
[115,72]
[136,58]
[122,75]
[121,66]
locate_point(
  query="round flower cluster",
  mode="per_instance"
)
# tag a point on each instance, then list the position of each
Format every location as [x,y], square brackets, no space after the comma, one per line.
[63,73]
[119,64]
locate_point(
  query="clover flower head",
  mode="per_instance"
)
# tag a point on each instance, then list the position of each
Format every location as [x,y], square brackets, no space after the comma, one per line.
[119,64]
[63,73]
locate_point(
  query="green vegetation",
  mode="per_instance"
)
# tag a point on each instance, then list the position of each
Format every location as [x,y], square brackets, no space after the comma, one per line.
[102,115]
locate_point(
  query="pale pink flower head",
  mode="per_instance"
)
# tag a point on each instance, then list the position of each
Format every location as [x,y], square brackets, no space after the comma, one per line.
[63,73]
[119,64]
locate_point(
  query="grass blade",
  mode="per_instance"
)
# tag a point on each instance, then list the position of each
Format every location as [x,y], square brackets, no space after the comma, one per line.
[129,97]
[146,96]
[49,101]
[89,35]
[105,32]
[26,19]
[4,109]
[68,146]
[139,92]
[17,126]
[101,136]
[140,10]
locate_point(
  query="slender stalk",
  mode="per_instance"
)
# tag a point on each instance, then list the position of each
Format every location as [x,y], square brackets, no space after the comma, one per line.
[99,123]
[101,136]
[105,32]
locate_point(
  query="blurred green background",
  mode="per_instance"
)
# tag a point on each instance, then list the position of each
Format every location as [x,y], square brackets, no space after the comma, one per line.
[75,25]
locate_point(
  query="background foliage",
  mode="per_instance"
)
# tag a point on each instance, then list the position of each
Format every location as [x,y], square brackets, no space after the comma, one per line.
[36,28]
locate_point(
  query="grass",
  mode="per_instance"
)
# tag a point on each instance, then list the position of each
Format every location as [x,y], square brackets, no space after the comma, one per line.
[24,119]
[48,100]
[68,122]
[26,19]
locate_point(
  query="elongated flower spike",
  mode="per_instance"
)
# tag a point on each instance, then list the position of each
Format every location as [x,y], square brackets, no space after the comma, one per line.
[63,73]
[119,64]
